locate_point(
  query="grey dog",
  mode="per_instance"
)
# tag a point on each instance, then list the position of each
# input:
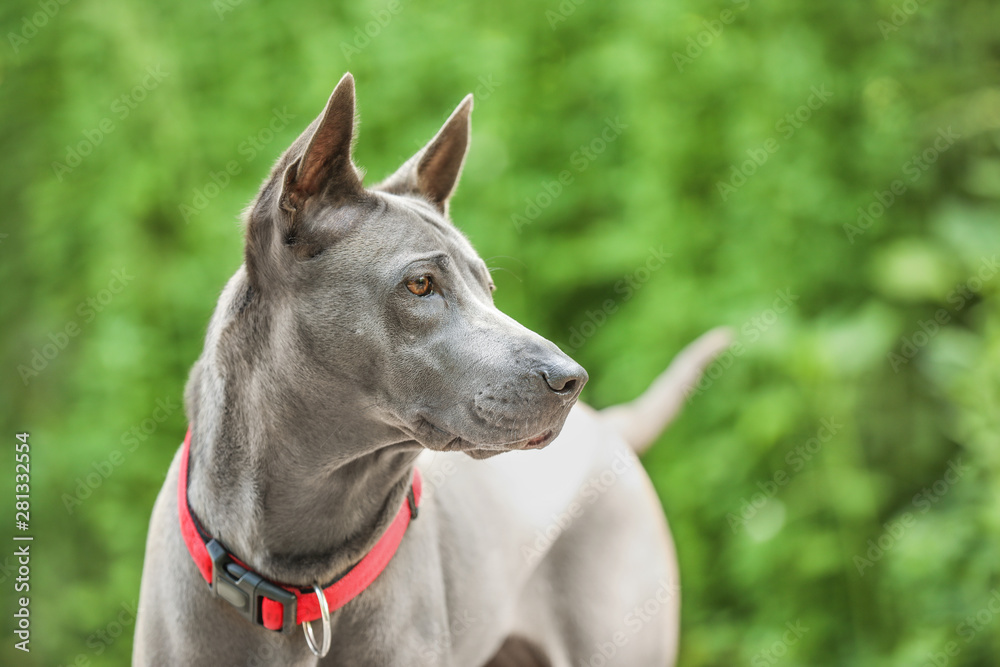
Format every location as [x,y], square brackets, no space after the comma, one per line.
[358,341]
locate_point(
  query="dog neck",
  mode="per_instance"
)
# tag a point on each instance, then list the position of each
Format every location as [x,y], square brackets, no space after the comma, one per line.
[297,482]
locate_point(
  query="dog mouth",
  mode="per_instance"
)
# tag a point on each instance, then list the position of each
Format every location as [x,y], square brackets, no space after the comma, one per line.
[436,438]
[537,442]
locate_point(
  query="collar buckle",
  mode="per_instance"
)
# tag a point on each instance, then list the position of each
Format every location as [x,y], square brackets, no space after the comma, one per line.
[245,590]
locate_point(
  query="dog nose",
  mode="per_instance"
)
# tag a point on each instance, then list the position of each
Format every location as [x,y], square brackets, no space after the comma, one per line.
[565,379]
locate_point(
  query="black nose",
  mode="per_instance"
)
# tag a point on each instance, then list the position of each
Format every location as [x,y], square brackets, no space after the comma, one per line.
[565,379]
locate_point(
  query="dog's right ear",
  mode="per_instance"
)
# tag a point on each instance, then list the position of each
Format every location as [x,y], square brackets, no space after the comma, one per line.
[325,167]
[315,171]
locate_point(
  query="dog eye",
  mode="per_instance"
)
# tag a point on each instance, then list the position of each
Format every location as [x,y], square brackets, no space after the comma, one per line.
[421,286]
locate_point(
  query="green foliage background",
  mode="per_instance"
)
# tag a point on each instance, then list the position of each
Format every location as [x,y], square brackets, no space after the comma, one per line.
[544,91]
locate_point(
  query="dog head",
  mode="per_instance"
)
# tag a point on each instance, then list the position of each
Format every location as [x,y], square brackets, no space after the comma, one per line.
[379,290]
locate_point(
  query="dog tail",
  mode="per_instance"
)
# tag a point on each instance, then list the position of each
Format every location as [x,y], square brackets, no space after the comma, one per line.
[640,422]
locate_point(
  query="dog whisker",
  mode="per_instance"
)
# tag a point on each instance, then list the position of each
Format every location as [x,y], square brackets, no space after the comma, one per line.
[504,268]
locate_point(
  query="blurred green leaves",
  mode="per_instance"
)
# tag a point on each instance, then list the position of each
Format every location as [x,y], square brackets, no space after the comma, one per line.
[203,137]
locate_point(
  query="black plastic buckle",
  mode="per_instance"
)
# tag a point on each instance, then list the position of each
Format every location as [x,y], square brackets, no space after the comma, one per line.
[245,589]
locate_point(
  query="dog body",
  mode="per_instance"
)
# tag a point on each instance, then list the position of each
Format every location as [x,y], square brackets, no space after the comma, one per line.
[359,340]
[564,551]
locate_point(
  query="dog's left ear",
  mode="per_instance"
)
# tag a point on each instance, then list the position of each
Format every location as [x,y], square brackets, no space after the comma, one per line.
[433,172]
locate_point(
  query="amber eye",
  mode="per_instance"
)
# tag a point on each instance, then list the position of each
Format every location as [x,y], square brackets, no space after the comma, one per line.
[421,286]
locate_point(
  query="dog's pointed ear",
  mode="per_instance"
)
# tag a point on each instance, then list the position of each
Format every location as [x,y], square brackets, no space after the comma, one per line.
[433,172]
[325,165]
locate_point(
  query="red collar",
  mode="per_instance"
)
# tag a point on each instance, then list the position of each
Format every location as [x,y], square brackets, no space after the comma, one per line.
[265,602]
